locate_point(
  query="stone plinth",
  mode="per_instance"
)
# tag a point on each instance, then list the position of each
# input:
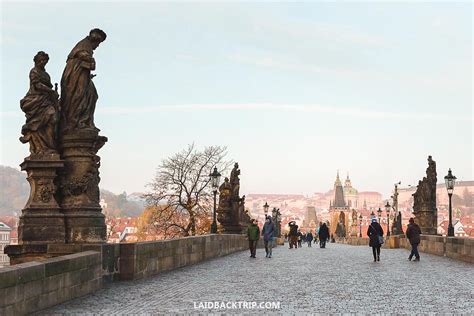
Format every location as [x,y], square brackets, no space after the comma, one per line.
[79,187]
[427,220]
[41,220]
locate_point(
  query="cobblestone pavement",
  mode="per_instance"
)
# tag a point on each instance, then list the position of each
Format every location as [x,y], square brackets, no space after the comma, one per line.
[338,279]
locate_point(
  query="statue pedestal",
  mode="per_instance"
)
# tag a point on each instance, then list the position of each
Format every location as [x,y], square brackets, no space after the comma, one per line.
[354,231]
[41,220]
[79,186]
[427,220]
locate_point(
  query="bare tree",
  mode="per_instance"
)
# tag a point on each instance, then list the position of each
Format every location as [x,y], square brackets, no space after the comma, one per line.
[181,194]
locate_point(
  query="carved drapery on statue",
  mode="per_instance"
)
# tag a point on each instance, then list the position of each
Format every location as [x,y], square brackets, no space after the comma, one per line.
[78,93]
[424,201]
[231,212]
[41,110]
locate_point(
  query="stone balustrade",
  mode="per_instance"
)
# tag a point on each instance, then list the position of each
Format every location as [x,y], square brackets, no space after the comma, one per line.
[139,260]
[459,248]
[32,286]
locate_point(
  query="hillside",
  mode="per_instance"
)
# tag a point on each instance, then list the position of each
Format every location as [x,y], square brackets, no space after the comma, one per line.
[14,191]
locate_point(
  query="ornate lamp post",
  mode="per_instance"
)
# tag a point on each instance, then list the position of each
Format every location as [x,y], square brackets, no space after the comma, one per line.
[379,212]
[360,225]
[265,209]
[215,178]
[450,180]
[387,209]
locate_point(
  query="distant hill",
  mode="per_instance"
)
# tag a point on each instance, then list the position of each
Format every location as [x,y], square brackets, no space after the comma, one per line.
[14,192]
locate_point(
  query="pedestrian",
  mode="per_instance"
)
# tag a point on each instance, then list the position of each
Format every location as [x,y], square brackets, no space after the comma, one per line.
[300,238]
[413,234]
[375,233]
[293,234]
[268,231]
[323,235]
[309,238]
[253,234]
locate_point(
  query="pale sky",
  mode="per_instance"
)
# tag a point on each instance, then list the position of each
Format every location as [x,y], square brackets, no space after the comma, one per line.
[295,90]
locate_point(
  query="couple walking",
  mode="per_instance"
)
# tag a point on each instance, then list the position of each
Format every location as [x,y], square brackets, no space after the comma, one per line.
[375,233]
[253,234]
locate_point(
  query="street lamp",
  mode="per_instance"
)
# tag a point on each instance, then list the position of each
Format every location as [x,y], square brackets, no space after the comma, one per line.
[360,225]
[265,209]
[450,180]
[215,178]
[379,212]
[387,209]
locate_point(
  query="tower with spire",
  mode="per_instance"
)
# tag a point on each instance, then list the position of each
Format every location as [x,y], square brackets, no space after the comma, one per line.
[339,210]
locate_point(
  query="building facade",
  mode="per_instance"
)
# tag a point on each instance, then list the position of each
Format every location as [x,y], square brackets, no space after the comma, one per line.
[5,231]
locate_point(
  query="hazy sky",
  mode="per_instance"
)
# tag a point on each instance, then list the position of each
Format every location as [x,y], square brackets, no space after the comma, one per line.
[295,90]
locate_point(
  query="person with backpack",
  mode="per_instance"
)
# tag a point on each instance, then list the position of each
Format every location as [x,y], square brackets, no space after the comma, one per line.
[300,238]
[413,234]
[293,234]
[309,238]
[323,235]
[268,231]
[375,233]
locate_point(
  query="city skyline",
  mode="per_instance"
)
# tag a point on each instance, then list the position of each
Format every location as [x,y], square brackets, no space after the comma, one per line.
[296,91]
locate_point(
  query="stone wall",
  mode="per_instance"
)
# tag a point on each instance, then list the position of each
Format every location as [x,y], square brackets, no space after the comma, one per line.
[32,286]
[139,260]
[453,247]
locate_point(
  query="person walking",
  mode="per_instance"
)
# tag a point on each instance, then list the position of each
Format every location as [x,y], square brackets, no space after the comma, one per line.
[268,231]
[375,233]
[323,235]
[309,238]
[413,234]
[293,234]
[300,238]
[253,235]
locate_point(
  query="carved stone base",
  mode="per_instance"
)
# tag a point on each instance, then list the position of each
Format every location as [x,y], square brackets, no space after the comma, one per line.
[428,221]
[41,220]
[85,225]
[79,184]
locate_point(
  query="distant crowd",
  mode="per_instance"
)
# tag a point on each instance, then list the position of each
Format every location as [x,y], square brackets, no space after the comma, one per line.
[295,237]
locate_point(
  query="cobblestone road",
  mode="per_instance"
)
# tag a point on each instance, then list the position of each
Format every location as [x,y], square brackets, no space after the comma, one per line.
[338,279]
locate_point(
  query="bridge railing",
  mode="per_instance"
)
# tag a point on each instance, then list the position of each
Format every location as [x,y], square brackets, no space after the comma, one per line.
[32,286]
[459,248]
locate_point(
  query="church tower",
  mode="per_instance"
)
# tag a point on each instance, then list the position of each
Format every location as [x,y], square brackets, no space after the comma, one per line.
[339,211]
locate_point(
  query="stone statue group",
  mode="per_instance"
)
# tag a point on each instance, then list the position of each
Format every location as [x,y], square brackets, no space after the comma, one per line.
[47,115]
[63,165]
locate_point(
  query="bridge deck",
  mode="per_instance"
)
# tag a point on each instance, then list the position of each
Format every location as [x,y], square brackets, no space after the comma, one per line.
[340,278]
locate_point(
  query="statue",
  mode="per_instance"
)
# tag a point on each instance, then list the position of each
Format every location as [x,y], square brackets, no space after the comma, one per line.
[235,181]
[354,217]
[224,194]
[231,212]
[424,200]
[78,93]
[41,110]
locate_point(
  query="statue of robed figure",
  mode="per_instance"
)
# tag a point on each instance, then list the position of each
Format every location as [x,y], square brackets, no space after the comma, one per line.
[41,110]
[78,93]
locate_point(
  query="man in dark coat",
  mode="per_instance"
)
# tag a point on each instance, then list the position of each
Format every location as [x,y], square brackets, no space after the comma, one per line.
[375,233]
[323,235]
[293,235]
[413,234]
[268,231]
[309,238]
